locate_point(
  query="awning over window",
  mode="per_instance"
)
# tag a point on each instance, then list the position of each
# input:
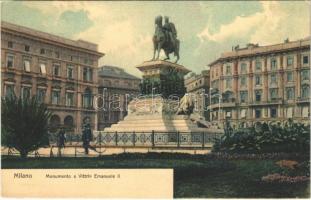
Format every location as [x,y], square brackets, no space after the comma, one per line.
[289,112]
[305,111]
[43,69]
[27,65]
[243,113]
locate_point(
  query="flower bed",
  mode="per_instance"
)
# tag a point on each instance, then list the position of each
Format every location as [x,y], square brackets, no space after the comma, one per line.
[278,178]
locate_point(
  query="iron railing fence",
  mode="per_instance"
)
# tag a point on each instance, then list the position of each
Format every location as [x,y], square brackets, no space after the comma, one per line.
[148,139]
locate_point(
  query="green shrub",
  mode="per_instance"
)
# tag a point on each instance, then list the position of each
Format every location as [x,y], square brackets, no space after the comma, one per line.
[24,124]
[263,138]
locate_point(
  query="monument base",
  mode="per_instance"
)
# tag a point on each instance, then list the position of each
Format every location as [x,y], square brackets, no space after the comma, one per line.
[155,114]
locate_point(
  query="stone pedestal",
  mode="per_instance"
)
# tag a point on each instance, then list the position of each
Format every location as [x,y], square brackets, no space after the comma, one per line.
[154,114]
[162,77]
[162,88]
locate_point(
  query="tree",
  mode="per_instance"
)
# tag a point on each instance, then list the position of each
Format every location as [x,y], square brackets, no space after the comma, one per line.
[24,124]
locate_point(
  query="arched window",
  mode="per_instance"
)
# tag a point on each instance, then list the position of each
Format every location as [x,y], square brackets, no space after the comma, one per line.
[68,121]
[54,122]
[87,98]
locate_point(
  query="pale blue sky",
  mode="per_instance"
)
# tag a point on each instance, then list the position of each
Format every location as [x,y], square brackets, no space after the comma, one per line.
[123,30]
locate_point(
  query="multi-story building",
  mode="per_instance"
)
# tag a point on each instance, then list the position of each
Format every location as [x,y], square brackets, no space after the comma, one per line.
[262,83]
[117,88]
[59,71]
[198,86]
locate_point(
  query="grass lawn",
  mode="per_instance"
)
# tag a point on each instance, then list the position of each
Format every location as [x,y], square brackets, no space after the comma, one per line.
[194,175]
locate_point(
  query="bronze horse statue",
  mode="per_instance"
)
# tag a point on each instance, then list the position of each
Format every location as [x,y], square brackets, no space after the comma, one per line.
[161,40]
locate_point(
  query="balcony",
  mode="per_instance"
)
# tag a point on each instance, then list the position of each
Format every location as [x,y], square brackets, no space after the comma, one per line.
[270,102]
[303,100]
[41,79]
[228,104]
[305,82]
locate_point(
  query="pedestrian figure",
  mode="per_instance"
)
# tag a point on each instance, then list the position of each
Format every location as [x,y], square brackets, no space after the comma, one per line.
[61,140]
[87,137]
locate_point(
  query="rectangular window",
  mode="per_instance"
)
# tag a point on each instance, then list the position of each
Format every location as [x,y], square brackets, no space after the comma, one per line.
[55,97]
[257,95]
[228,114]
[305,91]
[273,79]
[305,75]
[26,92]
[243,96]
[27,65]
[257,80]
[305,60]
[257,113]
[9,61]
[27,48]
[56,69]
[273,93]
[42,69]
[90,74]
[228,69]
[243,68]
[10,44]
[70,72]
[243,113]
[305,112]
[290,92]
[290,61]
[69,98]
[41,95]
[228,83]
[273,112]
[258,65]
[290,77]
[42,51]
[87,74]
[9,90]
[56,54]
[87,100]
[243,81]
[273,64]
[289,112]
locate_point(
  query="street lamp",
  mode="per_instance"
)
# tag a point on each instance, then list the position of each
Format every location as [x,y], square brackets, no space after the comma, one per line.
[152,93]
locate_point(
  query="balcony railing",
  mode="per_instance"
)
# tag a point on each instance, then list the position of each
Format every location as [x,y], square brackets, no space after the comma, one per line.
[303,99]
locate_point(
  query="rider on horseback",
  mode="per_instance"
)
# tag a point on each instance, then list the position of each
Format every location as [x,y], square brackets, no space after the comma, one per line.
[165,37]
[170,31]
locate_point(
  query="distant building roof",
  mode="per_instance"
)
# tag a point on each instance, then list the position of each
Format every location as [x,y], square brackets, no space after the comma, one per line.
[255,49]
[115,72]
[36,34]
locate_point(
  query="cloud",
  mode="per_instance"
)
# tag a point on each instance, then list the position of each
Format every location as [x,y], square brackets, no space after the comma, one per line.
[273,24]
[123,30]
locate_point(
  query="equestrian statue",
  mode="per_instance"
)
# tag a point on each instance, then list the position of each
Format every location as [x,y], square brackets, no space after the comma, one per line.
[165,37]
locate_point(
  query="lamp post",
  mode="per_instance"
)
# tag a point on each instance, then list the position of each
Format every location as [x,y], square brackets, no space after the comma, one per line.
[152,93]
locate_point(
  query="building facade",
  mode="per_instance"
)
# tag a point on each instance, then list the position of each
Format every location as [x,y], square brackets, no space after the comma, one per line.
[117,88]
[198,86]
[262,83]
[59,71]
